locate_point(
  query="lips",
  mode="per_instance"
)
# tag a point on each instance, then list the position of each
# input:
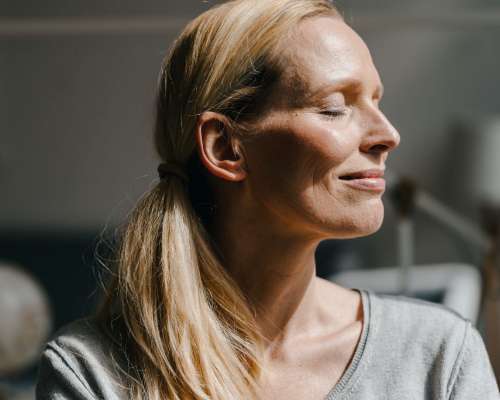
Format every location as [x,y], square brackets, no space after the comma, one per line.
[366,174]
[371,180]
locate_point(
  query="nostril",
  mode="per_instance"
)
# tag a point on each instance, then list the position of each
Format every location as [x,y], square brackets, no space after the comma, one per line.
[379,148]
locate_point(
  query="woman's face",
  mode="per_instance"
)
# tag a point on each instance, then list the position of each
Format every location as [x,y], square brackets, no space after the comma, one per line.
[318,158]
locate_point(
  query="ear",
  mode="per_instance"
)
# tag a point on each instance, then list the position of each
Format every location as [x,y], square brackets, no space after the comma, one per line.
[217,149]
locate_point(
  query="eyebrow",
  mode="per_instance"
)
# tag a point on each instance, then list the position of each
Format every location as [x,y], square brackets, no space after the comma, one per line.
[351,84]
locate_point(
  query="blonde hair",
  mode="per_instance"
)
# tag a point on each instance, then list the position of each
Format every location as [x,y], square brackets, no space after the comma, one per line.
[189,331]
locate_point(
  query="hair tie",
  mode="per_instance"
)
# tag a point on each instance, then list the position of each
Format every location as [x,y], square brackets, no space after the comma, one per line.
[170,168]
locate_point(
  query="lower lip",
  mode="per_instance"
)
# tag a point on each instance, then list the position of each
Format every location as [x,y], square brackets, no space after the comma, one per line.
[369,184]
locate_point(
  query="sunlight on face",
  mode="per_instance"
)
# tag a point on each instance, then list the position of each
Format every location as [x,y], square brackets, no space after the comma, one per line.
[319,158]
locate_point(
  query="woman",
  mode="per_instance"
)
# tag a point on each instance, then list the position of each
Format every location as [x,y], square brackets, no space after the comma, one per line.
[271,139]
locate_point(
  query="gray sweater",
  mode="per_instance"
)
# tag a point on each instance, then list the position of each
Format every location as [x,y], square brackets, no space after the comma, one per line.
[409,350]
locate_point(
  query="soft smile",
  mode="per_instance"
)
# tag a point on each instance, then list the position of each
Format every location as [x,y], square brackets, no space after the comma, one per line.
[371,180]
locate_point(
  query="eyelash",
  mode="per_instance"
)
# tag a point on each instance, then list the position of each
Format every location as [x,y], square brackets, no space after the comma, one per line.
[333,114]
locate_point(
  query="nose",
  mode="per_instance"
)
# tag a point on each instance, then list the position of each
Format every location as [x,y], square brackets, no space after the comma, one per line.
[380,135]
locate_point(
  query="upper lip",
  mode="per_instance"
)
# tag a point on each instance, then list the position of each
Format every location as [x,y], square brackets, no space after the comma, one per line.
[367,173]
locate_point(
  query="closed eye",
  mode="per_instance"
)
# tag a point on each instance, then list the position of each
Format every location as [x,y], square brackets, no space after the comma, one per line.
[333,114]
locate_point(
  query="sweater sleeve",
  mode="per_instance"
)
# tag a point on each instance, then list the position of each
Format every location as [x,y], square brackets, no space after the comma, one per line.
[58,379]
[472,376]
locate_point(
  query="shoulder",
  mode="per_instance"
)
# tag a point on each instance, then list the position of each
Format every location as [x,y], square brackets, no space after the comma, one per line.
[429,342]
[82,333]
[80,359]
[418,326]
[415,315]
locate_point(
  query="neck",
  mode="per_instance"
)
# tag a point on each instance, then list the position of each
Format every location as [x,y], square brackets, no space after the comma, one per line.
[275,271]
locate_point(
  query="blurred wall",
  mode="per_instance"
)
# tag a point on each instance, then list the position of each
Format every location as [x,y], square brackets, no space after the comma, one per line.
[76,105]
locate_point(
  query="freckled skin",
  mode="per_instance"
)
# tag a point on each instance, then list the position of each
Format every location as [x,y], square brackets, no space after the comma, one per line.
[299,154]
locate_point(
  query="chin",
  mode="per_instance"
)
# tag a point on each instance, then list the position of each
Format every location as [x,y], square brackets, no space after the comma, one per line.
[371,221]
[370,229]
[358,223]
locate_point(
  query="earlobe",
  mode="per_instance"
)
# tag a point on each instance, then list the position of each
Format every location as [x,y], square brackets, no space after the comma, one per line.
[217,147]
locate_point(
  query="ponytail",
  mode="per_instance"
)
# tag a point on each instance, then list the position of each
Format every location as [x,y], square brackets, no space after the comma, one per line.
[191,329]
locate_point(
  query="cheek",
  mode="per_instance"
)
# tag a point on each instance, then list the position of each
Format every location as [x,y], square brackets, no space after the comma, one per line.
[294,172]
[297,159]
[327,147]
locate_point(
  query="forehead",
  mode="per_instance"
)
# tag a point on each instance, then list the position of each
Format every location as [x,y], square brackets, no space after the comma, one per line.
[325,51]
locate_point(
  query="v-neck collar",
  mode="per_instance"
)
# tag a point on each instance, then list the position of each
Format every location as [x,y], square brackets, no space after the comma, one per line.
[347,379]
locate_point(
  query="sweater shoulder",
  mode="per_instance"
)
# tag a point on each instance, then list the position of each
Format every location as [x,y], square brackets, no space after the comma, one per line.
[411,313]
[83,339]
[416,328]
[81,352]
[426,348]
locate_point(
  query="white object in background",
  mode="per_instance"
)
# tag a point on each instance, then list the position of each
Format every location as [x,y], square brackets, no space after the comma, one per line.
[25,319]
[486,163]
[459,283]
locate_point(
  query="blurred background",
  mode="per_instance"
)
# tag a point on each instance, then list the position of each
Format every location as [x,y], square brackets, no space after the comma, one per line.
[77,81]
